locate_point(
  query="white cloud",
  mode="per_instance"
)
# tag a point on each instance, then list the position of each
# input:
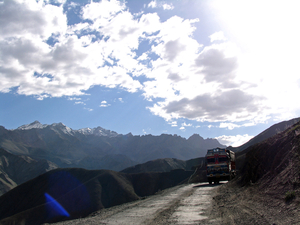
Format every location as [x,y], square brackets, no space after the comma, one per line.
[168,6]
[152,4]
[77,103]
[165,6]
[229,126]
[268,57]
[186,125]
[218,36]
[43,56]
[74,99]
[104,104]
[88,109]
[234,141]
[173,123]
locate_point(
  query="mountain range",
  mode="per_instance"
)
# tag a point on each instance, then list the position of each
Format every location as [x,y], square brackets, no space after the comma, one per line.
[98,148]
[38,184]
[67,193]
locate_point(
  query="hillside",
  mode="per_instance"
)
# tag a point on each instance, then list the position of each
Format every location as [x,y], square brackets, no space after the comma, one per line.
[271,131]
[167,165]
[79,192]
[268,185]
[274,164]
[15,170]
[157,165]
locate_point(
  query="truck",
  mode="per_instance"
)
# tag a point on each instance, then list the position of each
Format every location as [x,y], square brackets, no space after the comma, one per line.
[220,165]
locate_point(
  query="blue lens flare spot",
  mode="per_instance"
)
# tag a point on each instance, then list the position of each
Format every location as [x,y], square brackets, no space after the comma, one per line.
[54,208]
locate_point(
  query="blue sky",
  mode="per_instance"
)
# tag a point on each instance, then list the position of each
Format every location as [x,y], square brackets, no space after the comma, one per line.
[222,69]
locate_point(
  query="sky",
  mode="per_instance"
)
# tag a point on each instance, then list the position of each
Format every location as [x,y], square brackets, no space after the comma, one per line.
[225,69]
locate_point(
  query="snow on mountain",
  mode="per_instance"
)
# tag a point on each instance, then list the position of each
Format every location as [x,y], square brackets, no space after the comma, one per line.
[36,124]
[60,127]
[98,131]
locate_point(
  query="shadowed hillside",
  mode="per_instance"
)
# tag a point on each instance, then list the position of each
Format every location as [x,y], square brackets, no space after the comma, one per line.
[15,170]
[274,164]
[271,131]
[72,193]
[157,165]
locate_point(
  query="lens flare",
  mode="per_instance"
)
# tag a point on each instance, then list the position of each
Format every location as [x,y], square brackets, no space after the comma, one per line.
[54,208]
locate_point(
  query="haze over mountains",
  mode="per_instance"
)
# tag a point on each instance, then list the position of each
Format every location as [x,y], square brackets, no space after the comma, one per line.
[98,148]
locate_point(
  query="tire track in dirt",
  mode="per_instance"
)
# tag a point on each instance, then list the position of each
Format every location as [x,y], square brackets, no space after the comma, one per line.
[185,204]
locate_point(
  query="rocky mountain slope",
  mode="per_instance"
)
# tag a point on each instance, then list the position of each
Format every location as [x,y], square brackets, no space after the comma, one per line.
[274,164]
[267,189]
[271,131]
[15,170]
[98,148]
[73,193]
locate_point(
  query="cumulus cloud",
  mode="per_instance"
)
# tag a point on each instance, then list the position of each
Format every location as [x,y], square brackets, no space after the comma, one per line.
[234,141]
[218,36]
[216,66]
[230,105]
[43,56]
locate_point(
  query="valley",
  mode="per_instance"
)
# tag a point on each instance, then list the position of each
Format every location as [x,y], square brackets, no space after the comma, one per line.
[168,190]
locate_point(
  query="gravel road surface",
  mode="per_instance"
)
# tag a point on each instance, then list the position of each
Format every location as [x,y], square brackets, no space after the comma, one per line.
[184,204]
[201,203]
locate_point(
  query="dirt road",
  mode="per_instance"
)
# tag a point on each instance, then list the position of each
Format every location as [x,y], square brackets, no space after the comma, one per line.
[185,204]
[200,204]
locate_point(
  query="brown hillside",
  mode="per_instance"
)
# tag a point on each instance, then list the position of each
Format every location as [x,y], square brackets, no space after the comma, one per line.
[274,164]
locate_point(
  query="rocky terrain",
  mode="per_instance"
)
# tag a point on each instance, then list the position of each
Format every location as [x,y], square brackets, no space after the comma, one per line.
[267,190]
[15,170]
[271,131]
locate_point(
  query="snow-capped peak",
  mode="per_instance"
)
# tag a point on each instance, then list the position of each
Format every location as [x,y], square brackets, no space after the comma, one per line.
[98,131]
[60,127]
[36,124]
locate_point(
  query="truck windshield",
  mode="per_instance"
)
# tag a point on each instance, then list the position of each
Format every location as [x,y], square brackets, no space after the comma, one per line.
[211,160]
[223,159]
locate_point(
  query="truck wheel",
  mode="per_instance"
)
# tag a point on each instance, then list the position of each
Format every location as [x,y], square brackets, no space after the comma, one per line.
[209,180]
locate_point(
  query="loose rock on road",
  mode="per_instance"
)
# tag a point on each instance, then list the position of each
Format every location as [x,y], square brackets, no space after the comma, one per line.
[185,204]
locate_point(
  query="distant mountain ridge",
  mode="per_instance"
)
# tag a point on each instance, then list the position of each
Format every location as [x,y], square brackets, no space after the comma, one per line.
[98,131]
[98,148]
